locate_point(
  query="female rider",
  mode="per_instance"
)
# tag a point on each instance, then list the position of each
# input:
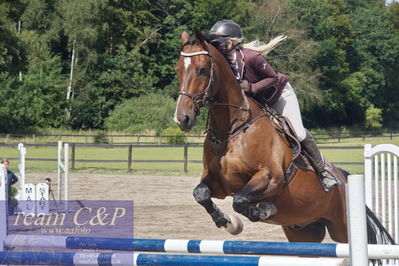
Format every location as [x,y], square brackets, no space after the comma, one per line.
[258,79]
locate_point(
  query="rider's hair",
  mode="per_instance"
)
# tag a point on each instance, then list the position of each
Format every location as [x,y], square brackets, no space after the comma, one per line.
[260,47]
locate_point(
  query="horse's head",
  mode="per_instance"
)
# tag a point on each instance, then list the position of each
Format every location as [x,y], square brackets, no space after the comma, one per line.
[195,73]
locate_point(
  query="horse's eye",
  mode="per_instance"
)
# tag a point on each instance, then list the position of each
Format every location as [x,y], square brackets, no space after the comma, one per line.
[202,71]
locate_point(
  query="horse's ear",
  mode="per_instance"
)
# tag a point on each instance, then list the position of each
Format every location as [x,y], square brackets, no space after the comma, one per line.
[199,36]
[184,37]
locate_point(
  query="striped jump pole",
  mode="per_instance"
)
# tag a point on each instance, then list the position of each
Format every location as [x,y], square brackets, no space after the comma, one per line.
[133,259]
[199,246]
[65,258]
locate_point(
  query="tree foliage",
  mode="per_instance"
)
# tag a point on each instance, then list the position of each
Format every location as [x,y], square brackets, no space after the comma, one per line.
[151,112]
[341,55]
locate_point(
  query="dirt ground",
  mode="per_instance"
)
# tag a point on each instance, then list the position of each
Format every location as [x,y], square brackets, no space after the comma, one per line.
[163,206]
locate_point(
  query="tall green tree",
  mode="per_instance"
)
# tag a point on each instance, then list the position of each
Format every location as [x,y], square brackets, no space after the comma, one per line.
[376,54]
[118,77]
[12,53]
[294,56]
[328,23]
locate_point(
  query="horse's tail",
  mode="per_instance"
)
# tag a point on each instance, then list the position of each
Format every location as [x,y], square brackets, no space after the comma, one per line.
[376,232]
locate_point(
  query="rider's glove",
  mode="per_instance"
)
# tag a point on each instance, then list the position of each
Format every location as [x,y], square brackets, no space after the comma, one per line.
[245,85]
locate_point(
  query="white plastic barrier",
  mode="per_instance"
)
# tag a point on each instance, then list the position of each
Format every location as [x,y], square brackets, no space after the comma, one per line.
[21,167]
[356,212]
[381,172]
[3,205]
[381,182]
[63,173]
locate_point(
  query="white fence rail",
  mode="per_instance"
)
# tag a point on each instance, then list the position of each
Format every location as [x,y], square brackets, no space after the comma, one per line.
[381,181]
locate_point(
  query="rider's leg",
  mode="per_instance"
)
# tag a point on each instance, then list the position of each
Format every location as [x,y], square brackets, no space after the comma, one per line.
[288,106]
[329,181]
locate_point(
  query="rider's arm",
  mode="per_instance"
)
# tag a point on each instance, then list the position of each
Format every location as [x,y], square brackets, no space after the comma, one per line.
[266,75]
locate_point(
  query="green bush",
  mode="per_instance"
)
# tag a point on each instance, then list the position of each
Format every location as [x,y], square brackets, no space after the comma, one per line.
[152,112]
[101,138]
[373,118]
[173,135]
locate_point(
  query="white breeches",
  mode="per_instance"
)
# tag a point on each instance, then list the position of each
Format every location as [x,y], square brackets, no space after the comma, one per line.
[287,105]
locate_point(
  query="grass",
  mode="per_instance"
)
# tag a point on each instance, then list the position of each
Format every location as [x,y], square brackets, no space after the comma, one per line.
[167,153]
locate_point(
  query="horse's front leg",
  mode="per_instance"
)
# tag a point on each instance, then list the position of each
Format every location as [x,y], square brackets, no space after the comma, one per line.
[202,195]
[253,200]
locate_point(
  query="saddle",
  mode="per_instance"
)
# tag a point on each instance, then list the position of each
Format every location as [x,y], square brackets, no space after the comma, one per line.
[299,158]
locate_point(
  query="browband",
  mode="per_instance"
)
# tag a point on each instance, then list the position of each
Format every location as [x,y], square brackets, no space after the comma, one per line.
[195,53]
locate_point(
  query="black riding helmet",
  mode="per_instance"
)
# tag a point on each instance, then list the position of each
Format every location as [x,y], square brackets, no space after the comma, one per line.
[221,32]
[225,29]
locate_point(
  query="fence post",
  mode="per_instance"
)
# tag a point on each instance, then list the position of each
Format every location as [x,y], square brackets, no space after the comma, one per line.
[66,176]
[59,167]
[357,226]
[73,156]
[185,157]
[3,205]
[21,167]
[129,158]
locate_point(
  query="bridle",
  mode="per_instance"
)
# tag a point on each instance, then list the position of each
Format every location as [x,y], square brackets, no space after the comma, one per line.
[205,99]
[201,98]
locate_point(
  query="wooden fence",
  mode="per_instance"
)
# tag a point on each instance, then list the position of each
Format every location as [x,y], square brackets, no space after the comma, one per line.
[130,149]
[333,136]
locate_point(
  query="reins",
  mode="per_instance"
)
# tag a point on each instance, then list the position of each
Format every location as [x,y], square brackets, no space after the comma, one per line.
[205,99]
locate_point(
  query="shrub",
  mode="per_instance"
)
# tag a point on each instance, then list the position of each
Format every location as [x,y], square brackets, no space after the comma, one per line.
[373,118]
[149,112]
[173,135]
[101,138]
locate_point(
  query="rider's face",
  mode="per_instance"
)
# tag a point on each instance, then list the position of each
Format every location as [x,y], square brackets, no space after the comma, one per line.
[223,45]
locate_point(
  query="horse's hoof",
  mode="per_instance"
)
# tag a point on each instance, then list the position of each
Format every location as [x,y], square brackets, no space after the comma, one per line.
[235,226]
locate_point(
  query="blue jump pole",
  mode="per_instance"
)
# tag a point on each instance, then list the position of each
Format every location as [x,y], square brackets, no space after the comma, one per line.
[133,259]
[174,245]
[66,258]
[199,246]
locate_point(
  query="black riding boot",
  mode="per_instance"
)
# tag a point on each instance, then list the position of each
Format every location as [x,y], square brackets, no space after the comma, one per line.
[328,180]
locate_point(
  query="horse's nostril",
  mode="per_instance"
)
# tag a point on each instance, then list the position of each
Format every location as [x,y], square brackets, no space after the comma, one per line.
[186,120]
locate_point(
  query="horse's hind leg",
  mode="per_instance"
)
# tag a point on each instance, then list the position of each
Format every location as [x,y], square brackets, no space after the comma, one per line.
[314,232]
[202,195]
[338,231]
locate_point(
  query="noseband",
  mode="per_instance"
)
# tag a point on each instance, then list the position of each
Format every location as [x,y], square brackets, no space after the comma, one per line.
[199,99]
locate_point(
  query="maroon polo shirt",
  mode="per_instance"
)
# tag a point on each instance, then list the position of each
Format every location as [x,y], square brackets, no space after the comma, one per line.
[266,84]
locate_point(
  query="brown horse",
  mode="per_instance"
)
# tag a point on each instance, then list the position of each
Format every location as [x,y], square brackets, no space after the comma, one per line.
[247,158]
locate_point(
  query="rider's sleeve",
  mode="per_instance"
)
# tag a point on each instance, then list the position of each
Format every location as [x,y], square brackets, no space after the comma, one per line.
[266,75]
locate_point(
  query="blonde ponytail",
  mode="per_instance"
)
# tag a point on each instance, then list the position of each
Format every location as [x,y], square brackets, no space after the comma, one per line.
[263,48]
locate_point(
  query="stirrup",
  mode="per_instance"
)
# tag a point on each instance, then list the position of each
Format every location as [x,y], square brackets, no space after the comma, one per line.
[328,180]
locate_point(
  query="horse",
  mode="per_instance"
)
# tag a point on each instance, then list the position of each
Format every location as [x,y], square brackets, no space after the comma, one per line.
[247,156]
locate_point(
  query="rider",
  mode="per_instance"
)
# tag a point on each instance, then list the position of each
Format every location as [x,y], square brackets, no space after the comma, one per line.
[258,79]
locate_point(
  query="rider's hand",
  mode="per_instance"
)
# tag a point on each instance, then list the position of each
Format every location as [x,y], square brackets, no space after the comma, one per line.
[245,85]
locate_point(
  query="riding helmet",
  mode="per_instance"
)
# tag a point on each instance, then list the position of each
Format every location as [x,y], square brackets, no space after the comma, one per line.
[225,28]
